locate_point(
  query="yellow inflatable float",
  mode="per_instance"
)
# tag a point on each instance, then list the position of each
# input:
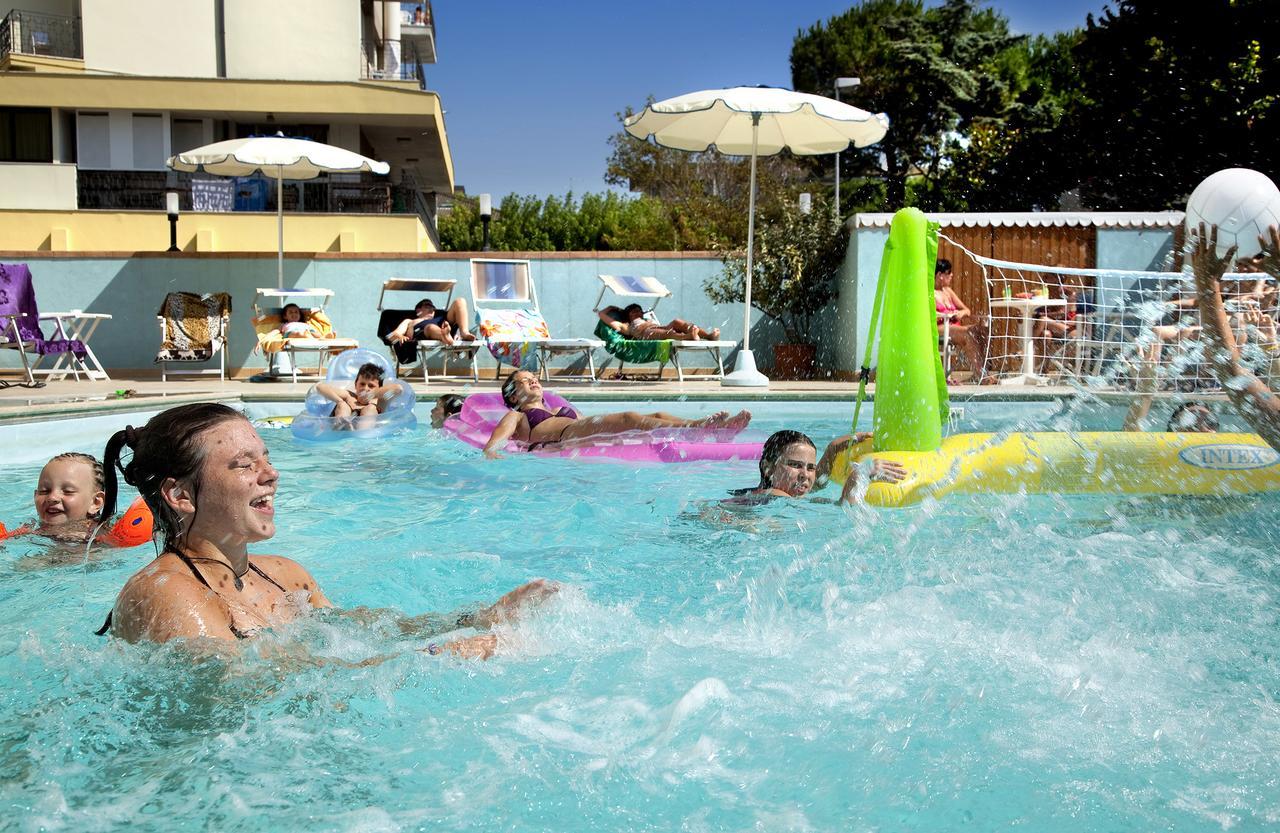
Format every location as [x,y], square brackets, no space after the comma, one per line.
[911,408]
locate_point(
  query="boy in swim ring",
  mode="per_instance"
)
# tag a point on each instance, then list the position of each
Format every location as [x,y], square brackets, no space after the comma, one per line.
[292,324]
[368,397]
[789,467]
[445,407]
[431,324]
[69,497]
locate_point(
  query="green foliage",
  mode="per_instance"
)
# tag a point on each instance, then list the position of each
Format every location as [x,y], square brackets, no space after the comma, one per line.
[599,222]
[797,259]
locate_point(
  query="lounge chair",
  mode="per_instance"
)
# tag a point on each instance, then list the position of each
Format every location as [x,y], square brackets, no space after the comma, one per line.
[406,353]
[193,328]
[268,306]
[509,321]
[20,328]
[650,289]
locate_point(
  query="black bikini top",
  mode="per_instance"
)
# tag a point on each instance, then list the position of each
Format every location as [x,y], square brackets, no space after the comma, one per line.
[236,632]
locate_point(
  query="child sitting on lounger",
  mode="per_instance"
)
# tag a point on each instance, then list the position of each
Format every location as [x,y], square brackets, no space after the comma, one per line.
[366,400]
[431,324]
[532,422]
[632,324]
[294,325]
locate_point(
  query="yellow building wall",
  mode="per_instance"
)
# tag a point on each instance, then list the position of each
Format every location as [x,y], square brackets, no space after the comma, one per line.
[295,40]
[166,38]
[37,185]
[141,231]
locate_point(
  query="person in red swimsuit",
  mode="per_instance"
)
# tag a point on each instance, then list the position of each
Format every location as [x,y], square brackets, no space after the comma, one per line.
[966,330]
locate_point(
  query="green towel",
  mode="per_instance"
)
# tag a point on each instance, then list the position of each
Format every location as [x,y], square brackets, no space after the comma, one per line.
[636,351]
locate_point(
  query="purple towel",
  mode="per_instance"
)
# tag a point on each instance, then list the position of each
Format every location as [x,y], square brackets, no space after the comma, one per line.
[18,295]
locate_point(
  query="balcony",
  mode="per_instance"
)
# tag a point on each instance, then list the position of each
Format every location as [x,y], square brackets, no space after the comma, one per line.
[419,28]
[391,60]
[42,35]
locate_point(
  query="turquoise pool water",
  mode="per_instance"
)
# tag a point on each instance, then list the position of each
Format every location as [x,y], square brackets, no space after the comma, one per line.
[1031,662]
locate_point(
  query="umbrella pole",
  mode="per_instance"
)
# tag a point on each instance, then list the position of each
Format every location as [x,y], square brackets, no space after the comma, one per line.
[280,226]
[744,370]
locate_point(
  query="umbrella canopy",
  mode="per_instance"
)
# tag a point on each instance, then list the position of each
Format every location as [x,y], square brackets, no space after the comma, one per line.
[279,157]
[756,121]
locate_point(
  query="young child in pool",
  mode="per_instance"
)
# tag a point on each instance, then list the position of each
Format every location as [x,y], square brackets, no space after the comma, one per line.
[366,399]
[292,324]
[69,497]
[789,467]
[445,407]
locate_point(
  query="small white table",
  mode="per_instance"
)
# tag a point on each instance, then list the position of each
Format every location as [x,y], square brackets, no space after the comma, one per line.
[1026,308]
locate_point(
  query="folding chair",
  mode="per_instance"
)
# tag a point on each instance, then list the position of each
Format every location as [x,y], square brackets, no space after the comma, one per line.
[193,328]
[651,289]
[408,352]
[508,318]
[268,306]
[22,331]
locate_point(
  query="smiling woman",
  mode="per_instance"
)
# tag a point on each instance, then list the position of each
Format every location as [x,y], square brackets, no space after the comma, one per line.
[207,477]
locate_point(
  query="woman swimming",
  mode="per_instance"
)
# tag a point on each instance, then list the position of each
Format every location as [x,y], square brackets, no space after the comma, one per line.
[532,422]
[789,467]
[208,479]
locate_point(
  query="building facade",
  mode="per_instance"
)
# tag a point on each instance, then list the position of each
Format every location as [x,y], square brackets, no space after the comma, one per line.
[95,95]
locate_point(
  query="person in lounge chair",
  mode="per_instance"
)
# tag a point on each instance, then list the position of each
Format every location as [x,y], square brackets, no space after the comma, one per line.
[430,324]
[532,421]
[630,321]
[293,324]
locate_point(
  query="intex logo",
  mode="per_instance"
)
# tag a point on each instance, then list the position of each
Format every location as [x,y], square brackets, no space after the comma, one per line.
[1229,456]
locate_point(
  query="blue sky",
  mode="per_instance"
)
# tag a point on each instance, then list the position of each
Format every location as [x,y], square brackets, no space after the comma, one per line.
[530,89]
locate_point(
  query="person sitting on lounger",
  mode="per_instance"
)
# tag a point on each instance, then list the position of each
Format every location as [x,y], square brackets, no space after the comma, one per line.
[789,467]
[532,422]
[632,324]
[430,324]
[293,323]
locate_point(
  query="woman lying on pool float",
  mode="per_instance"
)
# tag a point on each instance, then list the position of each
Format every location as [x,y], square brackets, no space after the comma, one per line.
[208,479]
[532,422]
[789,467]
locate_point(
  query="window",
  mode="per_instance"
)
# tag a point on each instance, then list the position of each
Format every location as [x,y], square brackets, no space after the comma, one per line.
[188,134]
[148,141]
[26,134]
[93,141]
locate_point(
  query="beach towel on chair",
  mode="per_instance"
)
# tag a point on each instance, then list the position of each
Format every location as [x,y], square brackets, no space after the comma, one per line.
[634,350]
[507,332]
[192,325]
[18,298]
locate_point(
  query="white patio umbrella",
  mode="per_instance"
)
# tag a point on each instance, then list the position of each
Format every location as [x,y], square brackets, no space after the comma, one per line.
[756,121]
[279,157]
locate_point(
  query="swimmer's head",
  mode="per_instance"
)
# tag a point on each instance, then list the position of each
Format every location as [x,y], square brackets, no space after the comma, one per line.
[70,489]
[425,308]
[180,452]
[445,407]
[520,387]
[291,313]
[369,376]
[633,311]
[789,463]
[1193,417]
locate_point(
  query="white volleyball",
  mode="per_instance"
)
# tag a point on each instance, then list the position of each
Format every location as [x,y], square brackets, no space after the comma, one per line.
[1242,203]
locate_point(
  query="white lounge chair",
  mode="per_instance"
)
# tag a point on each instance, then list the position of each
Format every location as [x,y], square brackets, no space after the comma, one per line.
[424,349]
[650,289]
[268,305]
[20,329]
[509,320]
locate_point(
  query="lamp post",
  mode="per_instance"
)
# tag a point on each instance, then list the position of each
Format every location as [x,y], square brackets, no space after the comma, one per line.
[844,83]
[171,208]
[486,214]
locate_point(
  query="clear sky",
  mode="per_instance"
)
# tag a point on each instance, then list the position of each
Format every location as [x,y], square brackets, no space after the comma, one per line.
[530,90]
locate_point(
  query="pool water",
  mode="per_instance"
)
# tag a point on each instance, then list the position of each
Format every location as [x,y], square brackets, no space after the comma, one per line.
[1035,662]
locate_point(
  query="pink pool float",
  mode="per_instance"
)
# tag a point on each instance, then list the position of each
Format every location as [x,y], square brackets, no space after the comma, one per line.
[482,412]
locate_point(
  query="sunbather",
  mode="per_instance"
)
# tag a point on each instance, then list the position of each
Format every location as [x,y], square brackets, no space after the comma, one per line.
[789,467]
[630,321]
[430,324]
[294,325]
[532,422]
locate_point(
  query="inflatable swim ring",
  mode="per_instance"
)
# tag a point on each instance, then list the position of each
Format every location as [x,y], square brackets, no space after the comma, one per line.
[911,406]
[134,527]
[481,413]
[316,422]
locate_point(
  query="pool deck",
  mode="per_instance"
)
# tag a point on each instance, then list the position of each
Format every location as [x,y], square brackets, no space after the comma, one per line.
[70,398]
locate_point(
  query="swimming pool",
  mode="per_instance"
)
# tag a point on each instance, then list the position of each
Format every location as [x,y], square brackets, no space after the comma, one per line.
[1056,664]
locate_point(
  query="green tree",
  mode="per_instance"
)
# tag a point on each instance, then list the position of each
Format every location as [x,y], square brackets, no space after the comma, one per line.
[934,71]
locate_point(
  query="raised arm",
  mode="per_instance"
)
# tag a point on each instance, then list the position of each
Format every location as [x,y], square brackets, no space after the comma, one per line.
[501,433]
[336,393]
[609,316]
[1251,398]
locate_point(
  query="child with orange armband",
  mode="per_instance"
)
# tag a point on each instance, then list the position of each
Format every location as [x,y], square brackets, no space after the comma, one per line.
[69,500]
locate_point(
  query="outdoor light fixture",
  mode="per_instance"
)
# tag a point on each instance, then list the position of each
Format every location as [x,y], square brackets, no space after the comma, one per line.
[806,203]
[844,83]
[171,208]
[486,214]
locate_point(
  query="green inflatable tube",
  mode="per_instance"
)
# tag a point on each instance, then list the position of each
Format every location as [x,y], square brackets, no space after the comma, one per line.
[911,403]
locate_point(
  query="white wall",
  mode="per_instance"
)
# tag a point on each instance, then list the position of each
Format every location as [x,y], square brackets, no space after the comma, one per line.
[37,186]
[293,40]
[167,38]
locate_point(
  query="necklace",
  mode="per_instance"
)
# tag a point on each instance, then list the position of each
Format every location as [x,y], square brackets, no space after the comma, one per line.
[237,577]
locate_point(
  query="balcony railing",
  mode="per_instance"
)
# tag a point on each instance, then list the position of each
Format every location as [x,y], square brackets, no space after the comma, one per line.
[36,33]
[391,60]
[410,17]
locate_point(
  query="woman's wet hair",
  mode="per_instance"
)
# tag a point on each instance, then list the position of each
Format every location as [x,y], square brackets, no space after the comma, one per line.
[509,390]
[1192,416]
[451,403]
[99,479]
[777,443]
[169,446]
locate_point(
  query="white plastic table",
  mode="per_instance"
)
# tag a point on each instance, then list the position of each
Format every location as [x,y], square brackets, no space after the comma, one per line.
[1026,308]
